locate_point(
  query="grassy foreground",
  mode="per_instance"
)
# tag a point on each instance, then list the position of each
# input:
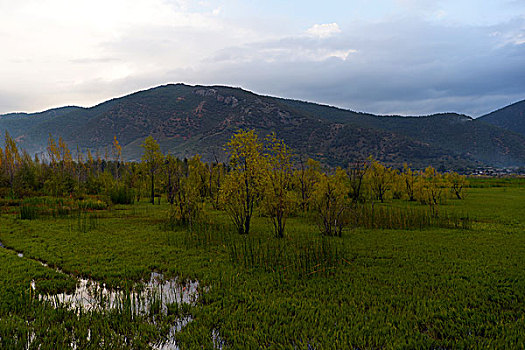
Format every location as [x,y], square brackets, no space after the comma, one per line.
[429,288]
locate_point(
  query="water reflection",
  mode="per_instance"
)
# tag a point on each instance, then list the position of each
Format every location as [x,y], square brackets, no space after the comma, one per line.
[153,296]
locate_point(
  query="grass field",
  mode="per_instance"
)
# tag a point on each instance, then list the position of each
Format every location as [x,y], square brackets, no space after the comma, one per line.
[421,288]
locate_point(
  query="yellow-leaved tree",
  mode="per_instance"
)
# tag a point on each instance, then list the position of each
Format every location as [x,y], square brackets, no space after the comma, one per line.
[306,176]
[429,189]
[243,185]
[458,183]
[331,202]
[410,179]
[379,179]
[278,200]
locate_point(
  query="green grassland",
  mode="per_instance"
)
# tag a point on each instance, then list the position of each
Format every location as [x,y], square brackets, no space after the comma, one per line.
[372,288]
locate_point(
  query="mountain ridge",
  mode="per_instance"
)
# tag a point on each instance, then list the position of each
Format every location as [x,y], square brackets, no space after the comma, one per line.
[511,117]
[200,119]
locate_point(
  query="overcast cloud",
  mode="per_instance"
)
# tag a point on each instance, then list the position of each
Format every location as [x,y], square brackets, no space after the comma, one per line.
[399,57]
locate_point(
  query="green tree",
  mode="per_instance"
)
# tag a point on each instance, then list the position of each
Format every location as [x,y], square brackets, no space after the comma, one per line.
[152,159]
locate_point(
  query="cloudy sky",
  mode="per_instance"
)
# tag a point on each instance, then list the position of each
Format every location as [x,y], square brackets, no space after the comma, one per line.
[380,56]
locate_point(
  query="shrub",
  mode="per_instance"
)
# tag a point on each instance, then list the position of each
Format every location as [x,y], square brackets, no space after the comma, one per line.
[122,195]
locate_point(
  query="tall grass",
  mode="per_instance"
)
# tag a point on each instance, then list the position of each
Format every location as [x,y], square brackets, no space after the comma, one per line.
[304,257]
[86,221]
[41,207]
[374,216]
[204,234]
[28,212]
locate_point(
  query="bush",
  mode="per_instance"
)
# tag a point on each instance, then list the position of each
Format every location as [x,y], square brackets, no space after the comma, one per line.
[122,195]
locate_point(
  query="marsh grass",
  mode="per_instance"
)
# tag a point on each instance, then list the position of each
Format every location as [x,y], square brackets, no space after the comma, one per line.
[429,288]
[295,254]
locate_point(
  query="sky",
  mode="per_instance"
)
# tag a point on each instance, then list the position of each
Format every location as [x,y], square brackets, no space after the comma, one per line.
[408,57]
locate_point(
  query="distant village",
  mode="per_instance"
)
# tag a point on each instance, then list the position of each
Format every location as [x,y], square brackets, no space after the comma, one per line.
[493,171]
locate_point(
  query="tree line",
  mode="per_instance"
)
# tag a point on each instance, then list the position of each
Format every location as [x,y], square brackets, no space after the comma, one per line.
[262,177]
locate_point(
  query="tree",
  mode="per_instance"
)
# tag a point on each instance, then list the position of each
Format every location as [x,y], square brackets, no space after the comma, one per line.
[330,201]
[216,176]
[409,178]
[66,158]
[26,178]
[198,170]
[184,189]
[117,154]
[243,185]
[152,160]
[306,177]
[12,159]
[457,184]
[380,179]
[278,197]
[174,172]
[430,188]
[53,152]
[356,173]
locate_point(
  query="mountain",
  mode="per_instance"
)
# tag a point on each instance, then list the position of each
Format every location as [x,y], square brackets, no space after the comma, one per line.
[511,117]
[198,119]
[19,123]
[458,134]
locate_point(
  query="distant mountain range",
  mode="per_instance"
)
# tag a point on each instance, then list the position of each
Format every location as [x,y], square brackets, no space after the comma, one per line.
[200,119]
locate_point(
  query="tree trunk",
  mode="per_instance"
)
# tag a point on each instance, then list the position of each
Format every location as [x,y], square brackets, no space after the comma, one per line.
[152,189]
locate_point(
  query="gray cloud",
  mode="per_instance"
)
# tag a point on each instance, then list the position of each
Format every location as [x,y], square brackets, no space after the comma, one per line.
[401,67]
